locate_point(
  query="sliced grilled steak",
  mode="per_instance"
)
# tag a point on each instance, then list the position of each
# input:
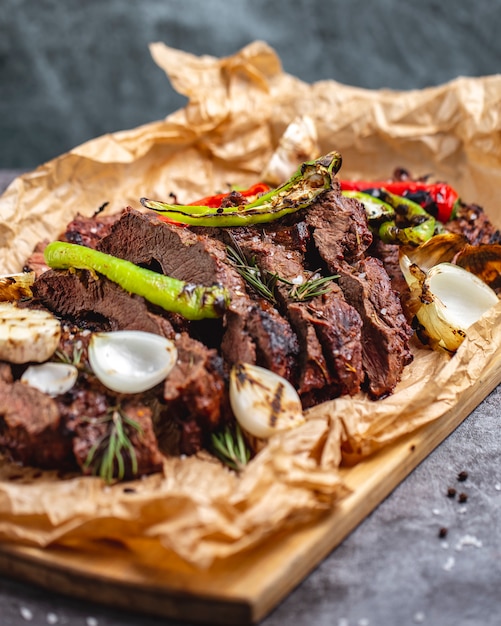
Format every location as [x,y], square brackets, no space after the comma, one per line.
[472,222]
[146,240]
[339,227]
[87,231]
[96,304]
[342,237]
[31,428]
[386,332]
[388,254]
[91,433]
[194,393]
[329,329]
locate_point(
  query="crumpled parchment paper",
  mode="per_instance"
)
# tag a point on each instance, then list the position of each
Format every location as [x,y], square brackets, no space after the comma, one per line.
[238,109]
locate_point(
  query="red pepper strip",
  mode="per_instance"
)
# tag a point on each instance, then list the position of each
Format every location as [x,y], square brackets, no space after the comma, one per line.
[214,202]
[443,195]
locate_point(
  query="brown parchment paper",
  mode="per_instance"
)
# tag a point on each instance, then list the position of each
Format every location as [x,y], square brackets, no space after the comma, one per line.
[238,108]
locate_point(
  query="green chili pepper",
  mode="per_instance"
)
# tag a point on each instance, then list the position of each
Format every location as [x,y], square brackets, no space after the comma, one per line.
[194,302]
[396,219]
[375,208]
[310,180]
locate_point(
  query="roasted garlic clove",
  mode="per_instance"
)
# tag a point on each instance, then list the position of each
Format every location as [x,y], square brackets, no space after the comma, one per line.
[263,402]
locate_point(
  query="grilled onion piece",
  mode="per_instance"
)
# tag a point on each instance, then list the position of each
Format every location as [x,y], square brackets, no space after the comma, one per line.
[446,300]
[27,334]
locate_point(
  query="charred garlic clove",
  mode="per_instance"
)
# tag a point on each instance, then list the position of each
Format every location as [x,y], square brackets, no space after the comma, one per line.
[53,379]
[16,286]
[446,300]
[27,334]
[131,361]
[263,402]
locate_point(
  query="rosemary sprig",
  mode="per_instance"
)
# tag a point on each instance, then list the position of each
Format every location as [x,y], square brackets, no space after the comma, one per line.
[107,456]
[230,447]
[313,286]
[75,358]
[265,282]
[262,281]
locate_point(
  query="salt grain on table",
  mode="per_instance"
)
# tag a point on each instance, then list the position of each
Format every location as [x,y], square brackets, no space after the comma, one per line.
[449,564]
[26,613]
[468,540]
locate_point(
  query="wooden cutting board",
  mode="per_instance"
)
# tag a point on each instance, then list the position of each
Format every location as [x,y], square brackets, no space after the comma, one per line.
[244,589]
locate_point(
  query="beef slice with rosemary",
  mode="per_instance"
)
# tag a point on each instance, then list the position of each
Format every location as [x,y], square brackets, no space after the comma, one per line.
[328,329]
[115,441]
[197,257]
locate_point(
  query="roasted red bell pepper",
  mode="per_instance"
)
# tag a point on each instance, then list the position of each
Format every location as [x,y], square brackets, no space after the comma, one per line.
[215,201]
[439,199]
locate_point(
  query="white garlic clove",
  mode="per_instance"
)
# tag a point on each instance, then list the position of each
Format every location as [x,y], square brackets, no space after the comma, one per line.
[53,379]
[131,361]
[263,402]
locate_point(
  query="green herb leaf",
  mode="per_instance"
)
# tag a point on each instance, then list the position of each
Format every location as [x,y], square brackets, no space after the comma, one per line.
[107,457]
[263,282]
[231,448]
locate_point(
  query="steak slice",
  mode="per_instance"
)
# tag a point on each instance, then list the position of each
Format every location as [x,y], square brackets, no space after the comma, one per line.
[340,228]
[276,344]
[31,430]
[195,394]
[342,238]
[472,222]
[388,254]
[146,240]
[88,231]
[386,332]
[328,329]
[96,304]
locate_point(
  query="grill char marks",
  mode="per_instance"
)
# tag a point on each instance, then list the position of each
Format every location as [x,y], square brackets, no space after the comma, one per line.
[327,327]
[337,226]
[386,331]
[252,326]
[96,304]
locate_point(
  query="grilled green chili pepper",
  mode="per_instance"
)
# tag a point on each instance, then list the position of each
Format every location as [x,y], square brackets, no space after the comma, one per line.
[310,180]
[194,302]
[394,218]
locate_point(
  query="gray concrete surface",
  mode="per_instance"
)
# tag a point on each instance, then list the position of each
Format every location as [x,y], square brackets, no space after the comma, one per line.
[393,570]
[73,70]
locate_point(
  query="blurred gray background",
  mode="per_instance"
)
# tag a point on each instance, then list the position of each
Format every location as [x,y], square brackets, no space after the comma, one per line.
[71,70]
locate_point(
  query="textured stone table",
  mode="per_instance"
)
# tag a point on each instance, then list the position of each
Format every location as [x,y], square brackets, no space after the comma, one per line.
[393,570]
